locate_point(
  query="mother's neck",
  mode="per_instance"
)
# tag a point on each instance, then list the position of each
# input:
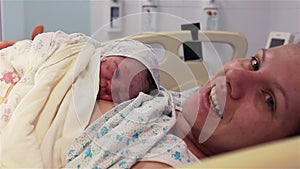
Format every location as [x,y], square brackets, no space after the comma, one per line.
[194,148]
[183,130]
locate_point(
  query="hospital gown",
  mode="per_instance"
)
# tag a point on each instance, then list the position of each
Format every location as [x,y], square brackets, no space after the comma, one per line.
[136,130]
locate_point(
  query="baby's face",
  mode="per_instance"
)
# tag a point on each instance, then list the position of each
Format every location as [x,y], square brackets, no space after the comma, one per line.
[121,79]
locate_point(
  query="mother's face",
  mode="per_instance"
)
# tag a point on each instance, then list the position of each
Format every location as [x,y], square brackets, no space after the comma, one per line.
[258,99]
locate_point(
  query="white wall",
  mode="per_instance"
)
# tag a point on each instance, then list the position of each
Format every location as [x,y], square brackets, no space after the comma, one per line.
[253,18]
[12,20]
[20,16]
[285,16]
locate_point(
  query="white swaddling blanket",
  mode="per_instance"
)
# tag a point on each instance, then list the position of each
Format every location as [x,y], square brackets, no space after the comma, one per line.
[42,119]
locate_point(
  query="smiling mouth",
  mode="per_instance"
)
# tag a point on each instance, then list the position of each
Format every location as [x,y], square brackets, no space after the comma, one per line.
[213,98]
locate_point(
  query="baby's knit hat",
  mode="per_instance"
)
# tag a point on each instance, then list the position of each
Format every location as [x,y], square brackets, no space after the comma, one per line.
[136,50]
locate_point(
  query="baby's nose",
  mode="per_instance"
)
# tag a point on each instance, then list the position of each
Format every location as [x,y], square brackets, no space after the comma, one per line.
[108,87]
[102,83]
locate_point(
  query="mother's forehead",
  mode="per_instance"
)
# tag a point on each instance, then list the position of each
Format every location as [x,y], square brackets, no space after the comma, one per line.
[290,47]
[287,52]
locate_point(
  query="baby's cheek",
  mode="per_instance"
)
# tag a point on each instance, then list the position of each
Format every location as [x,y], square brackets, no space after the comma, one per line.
[133,91]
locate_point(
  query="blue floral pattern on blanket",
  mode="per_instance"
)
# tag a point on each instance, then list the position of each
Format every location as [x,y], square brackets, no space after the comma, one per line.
[132,131]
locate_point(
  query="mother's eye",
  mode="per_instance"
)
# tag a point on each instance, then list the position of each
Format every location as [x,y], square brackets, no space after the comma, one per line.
[270,101]
[254,63]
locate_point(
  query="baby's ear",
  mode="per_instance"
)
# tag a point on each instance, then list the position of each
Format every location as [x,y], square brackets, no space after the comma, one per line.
[37,30]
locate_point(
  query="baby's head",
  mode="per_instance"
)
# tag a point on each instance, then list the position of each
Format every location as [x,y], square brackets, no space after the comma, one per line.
[127,68]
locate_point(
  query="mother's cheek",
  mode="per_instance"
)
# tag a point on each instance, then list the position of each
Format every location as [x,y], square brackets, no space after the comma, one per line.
[190,110]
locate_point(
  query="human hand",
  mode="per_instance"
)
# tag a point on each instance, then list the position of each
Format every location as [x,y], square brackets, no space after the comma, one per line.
[5,44]
[37,30]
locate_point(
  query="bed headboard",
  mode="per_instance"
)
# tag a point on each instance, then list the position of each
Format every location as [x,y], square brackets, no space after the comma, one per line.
[179,75]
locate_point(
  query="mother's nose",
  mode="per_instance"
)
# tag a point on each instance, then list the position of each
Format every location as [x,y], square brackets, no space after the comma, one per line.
[241,81]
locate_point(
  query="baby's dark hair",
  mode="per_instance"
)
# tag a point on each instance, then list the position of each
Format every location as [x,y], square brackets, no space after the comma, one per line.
[152,90]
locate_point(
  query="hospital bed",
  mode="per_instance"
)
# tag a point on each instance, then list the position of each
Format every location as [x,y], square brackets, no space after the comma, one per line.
[278,154]
[188,74]
[178,75]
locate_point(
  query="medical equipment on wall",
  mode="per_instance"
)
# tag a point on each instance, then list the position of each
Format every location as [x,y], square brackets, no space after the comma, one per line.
[192,50]
[115,15]
[149,9]
[210,15]
[279,38]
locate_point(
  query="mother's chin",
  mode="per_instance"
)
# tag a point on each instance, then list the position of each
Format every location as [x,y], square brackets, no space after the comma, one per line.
[196,108]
